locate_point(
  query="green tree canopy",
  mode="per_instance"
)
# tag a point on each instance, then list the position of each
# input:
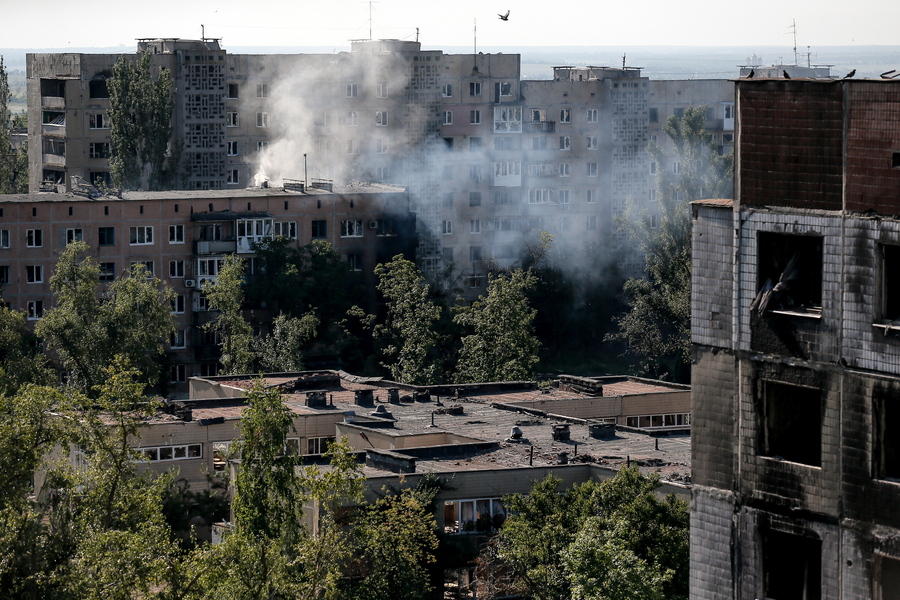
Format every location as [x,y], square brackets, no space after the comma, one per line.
[657,325]
[409,325]
[226,297]
[22,359]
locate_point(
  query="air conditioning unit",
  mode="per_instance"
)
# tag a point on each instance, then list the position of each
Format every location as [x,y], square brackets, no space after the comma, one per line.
[189,283]
[373,224]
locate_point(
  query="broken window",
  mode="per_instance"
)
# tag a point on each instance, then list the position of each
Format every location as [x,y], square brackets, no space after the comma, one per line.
[381,118]
[233,177]
[887,443]
[231,119]
[890,283]
[887,578]
[98,121]
[471,516]
[107,271]
[319,229]
[74,235]
[565,142]
[792,566]
[789,276]
[352,228]
[34,238]
[318,445]
[140,236]
[98,88]
[565,115]
[792,423]
[232,91]
[106,236]
[98,149]
[447,90]
[34,310]
[593,115]
[232,149]
[286,229]
[448,117]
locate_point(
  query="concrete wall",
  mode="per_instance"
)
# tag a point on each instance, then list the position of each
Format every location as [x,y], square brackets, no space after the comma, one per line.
[614,406]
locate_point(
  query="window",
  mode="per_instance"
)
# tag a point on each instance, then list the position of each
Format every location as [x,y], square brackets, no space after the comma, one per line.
[565,115]
[539,196]
[232,149]
[34,274]
[476,281]
[710,113]
[653,167]
[221,450]
[286,229]
[208,267]
[381,146]
[319,229]
[539,142]
[565,196]
[471,516]
[232,91]
[352,90]
[176,269]
[792,566]
[34,238]
[475,226]
[352,228]
[146,265]
[178,304]
[318,445]
[653,115]
[447,254]
[355,261]
[679,112]
[505,89]
[140,236]
[593,115]
[887,578]
[447,227]
[98,121]
[232,177]
[34,310]
[4,273]
[106,236]
[381,118]
[593,169]
[447,90]
[352,119]
[98,89]
[262,119]
[793,259]
[98,149]
[262,90]
[886,421]
[176,234]
[565,142]
[501,198]
[382,173]
[178,339]
[352,146]
[231,119]
[74,235]
[592,196]
[475,88]
[591,142]
[565,169]
[592,223]
[381,90]
[474,253]
[474,198]
[4,238]
[448,117]
[791,423]
[890,283]
[474,117]
[728,111]
[474,144]
[181,452]
[676,167]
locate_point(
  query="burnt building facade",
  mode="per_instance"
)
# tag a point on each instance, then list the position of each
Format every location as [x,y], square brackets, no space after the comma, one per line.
[796,377]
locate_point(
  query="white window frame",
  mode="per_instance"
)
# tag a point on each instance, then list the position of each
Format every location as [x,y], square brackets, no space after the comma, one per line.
[381,146]
[178,452]
[176,269]
[97,121]
[34,238]
[591,142]
[232,149]
[447,227]
[565,143]
[565,169]
[565,115]
[448,117]
[381,118]
[74,234]
[287,229]
[176,234]
[474,117]
[351,228]
[564,196]
[474,88]
[34,310]
[318,445]
[475,226]
[261,146]
[262,90]
[141,235]
[352,90]
[34,273]
[593,115]
[381,90]
[539,196]
[593,169]
[4,238]
[232,119]
[353,118]
[592,222]
[209,267]
[592,196]
[149,267]
[262,119]
[178,304]
[352,146]
[178,339]
[233,177]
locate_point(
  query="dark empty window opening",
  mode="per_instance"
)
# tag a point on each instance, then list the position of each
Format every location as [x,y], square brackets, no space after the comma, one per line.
[887,442]
[55,88]
[792,423]
[890,283]
[887,576]
[789,274]
[98,89]
[895,159]
[792,566]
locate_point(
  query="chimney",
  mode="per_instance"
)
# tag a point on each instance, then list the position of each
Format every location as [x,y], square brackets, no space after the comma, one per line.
[364,398]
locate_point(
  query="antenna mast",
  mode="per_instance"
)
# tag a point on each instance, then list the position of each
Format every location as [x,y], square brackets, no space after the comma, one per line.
[202,32]
[370,24]
[623,60]
[475,44]
[794,28]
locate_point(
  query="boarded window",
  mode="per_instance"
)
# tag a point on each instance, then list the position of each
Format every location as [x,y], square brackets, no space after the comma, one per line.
[792,423]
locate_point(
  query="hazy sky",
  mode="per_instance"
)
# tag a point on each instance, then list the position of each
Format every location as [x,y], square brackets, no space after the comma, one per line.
[93,23]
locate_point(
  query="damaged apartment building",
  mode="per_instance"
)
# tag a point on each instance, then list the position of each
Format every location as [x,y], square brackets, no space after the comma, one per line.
[796,376]
[490,159]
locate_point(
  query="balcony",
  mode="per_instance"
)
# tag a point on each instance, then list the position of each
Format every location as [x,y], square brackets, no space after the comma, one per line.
[53,102]
[215,247]
[540,126]
[54,130]
[53,160]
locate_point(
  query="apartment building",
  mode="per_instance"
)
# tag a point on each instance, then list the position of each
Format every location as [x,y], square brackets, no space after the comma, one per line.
[796,375]
[181,237]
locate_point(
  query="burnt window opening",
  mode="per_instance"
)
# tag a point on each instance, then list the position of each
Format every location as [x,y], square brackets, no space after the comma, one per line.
[890,283]
[887,442]
[887,578]
[789,274]
[792,423]
[792,566]
[895,159]
[54,88]
[98,88]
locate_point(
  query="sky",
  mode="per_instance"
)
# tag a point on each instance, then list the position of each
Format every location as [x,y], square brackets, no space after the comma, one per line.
[242,23]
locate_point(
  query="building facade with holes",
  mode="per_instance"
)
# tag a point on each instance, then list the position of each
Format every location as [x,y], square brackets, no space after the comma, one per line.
[796,377]
[182,238]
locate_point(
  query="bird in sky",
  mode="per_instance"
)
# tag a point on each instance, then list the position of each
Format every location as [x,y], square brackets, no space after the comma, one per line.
[850,74]
[504,17]
[786,74]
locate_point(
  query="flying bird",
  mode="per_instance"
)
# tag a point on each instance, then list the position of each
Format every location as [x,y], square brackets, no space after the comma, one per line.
[751,74]
[504,17]
[786,74]
[850,74]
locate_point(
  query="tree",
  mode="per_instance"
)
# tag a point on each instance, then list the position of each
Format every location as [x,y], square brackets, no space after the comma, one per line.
[657,325]
[22,359]
[282,349]
[226,296]
[140,114]
[13,162]
[499,344]
[611,539]
[409,324]
[87,328]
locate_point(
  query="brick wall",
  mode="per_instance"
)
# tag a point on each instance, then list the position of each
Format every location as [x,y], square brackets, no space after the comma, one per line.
[873,135]
[712,275]
[713,418]
[711,531]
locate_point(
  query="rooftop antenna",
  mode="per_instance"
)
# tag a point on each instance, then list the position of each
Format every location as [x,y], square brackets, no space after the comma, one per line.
[370,3]
[202,32]
[794,29]
[417,35]
[623,60]
[808,58]
[475,45]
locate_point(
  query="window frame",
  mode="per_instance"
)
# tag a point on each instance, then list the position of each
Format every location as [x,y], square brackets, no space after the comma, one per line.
[34,238]
[136,233]
[176,234]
